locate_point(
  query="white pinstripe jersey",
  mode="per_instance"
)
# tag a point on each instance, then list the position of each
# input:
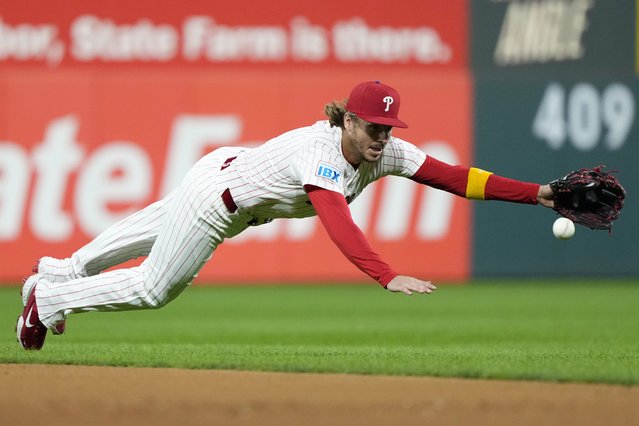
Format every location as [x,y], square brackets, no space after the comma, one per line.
[269,180]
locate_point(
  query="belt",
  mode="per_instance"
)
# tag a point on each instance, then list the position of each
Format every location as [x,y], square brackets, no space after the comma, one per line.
[227,199]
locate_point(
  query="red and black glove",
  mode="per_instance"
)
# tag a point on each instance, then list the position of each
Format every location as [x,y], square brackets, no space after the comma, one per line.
[589,197]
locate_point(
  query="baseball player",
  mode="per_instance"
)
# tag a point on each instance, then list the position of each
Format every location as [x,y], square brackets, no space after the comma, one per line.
[314,170]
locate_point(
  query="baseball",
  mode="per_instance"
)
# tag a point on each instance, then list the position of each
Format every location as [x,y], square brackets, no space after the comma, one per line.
[563,228]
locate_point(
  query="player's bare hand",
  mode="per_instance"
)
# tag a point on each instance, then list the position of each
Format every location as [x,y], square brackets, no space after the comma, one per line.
[408,285]
[545,196]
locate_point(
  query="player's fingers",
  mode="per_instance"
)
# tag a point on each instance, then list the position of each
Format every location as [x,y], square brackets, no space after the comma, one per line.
[408,285]
[425,287]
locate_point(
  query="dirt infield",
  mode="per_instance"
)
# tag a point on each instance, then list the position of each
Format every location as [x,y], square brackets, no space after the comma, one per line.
[71,395]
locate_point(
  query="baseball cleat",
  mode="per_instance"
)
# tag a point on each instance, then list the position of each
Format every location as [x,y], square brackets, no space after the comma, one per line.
[60,327]
[27,285]
[29,329]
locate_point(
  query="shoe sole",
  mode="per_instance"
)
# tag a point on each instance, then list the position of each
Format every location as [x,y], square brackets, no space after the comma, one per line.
[19,325]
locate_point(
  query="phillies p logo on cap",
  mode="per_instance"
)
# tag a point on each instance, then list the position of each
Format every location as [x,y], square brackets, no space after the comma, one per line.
[389,100]
[376,103]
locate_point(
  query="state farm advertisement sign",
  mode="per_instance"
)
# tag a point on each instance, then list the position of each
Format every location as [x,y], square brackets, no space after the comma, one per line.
[209,32]
[83,146]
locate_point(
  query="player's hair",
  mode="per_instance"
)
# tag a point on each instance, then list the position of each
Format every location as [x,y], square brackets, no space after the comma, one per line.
[335,112]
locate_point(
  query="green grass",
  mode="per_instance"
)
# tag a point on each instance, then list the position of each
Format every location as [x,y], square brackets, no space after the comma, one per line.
[552,330]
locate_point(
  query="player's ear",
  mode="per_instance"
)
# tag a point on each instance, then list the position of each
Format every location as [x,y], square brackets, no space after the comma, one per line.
[349,122]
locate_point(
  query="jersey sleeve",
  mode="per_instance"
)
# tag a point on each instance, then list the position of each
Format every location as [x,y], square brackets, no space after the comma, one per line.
[474,183]
[320,164]
[335,215]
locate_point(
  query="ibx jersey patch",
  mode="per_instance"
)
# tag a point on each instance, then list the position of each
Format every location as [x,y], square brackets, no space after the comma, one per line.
[329,172]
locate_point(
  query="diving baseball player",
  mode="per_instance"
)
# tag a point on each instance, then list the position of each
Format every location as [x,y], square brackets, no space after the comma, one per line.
[314,170]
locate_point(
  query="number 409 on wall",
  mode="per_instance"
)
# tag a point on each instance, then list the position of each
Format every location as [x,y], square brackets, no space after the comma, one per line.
[585,116]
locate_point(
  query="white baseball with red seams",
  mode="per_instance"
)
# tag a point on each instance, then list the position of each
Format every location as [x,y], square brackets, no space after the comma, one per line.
[180,232]
[563,228]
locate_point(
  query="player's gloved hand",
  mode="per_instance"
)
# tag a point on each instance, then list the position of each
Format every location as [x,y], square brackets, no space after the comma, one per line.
[589,197]
[408,285]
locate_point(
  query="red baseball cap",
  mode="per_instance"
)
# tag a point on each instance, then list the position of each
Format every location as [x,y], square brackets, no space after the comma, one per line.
[376,103]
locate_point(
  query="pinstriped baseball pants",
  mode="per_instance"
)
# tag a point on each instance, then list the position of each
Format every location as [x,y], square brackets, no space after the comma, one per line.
[179,235]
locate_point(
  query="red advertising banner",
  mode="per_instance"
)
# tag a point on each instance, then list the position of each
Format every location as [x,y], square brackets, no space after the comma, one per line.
[161,32]
[84,143]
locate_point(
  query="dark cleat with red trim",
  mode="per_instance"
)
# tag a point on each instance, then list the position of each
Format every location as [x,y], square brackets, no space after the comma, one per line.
[29,330]
[60,327]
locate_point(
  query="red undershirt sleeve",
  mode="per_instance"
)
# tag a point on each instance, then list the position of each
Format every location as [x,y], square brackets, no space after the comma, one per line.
[333,211]
[474,183]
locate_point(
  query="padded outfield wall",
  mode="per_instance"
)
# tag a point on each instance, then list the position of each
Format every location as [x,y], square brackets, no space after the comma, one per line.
[556,89]
[106,105]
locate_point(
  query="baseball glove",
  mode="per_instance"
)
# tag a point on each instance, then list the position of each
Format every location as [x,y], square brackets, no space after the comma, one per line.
[589,197]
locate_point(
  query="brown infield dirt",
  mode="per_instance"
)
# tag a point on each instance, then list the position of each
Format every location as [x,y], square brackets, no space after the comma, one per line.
[73,395]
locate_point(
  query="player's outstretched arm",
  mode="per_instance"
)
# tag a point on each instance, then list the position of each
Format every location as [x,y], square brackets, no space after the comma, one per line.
[334,214]
[408,285]
[476,184]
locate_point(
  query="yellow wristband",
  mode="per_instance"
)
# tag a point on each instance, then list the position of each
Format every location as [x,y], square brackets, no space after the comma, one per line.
[476,184]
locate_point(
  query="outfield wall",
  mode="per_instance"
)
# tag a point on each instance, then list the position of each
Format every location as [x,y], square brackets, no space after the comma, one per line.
[105,106]
[108,106]
[555,89]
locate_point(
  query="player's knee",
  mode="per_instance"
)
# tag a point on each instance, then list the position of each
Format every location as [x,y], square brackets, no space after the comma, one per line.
[154,301]
[157,295]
